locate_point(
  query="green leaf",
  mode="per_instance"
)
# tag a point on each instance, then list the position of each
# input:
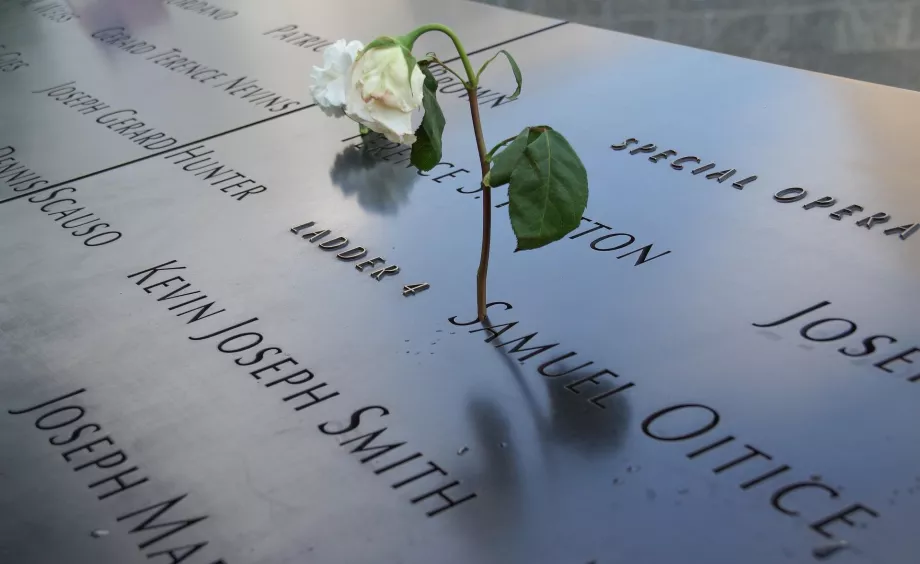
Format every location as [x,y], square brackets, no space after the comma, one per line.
[504,162]
[426,151]
[514,68]
[548,191]
[497,147]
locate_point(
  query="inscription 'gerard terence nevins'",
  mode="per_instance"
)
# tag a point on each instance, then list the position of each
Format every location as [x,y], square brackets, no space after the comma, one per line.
[243,87]
[425,481]
[98,459]
[834,329]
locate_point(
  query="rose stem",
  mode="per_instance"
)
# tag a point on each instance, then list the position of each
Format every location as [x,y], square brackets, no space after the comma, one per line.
[483,271]
[472,85]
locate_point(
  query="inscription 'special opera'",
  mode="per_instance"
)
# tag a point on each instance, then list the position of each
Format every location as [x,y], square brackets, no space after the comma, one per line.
[231,335]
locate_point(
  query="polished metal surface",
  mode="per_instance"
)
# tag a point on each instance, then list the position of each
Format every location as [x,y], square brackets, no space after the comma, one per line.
[688,426]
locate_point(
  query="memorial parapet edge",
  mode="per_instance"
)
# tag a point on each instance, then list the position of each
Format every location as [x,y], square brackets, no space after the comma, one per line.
[707,369]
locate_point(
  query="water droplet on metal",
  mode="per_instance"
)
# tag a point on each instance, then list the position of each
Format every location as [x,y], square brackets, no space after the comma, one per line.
[463,451]
[99,533]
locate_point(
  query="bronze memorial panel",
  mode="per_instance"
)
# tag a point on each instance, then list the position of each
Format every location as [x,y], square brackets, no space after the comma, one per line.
[269,353]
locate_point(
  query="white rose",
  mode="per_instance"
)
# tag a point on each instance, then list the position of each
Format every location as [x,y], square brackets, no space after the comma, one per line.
[330,81]
[381,95]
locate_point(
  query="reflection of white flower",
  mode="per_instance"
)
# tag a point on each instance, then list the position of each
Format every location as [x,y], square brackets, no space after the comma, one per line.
[330,81]
[379,187]
[382,95]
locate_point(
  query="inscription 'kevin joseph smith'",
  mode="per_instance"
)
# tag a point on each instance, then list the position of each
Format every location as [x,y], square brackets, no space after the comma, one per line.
[427,482]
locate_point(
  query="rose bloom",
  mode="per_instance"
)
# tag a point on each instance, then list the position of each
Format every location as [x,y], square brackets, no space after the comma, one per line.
[381,94]
[330,82]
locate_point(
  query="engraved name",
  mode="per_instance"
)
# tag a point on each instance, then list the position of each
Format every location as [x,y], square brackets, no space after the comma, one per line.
[292,35]
[57,12]
[86,224]
[243,87]
[596,388]
[381,148]
[811,499]
[201,8]
[203,164]
[100,461]
[833,329]
[426,482]
[11,61]
[450,84]
[753,467]
[121,122]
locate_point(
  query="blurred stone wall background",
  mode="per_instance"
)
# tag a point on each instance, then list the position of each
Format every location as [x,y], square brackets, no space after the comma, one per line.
[871,40]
